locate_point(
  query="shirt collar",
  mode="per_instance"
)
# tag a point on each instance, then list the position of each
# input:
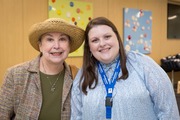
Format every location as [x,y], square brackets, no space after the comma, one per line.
[110,64]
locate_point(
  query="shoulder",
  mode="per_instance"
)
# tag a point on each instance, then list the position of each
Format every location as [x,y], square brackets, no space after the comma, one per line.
[17,73]
[136,56]
[19,67]
[142,63]
[31,65]
[140,59]
[73,70]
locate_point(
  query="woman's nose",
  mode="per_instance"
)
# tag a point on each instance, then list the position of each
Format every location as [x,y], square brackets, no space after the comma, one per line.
[56,44]
[102,42]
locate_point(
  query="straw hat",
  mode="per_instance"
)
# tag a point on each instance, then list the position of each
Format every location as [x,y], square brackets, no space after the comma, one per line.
[56,25]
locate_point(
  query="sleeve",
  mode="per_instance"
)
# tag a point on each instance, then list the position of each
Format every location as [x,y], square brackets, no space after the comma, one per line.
[7,97]
[160,88]
[76,98]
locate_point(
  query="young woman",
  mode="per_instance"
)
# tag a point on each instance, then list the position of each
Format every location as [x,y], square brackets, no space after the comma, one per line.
[116,85]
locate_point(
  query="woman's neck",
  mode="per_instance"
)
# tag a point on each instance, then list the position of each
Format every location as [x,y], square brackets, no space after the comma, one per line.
[50,68]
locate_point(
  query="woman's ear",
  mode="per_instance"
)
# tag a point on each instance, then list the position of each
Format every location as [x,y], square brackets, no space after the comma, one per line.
[40,44]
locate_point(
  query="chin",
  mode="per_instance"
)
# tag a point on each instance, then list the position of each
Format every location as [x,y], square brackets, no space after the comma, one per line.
[106,61]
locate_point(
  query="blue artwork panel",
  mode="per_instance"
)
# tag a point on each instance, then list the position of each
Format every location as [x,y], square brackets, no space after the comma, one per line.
[137,30]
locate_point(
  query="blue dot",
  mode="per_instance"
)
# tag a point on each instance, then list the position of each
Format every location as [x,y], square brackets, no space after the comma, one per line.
[71,4]
[50,8]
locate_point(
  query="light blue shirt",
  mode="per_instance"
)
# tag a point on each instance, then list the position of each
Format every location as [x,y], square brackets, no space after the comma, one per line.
[147,94]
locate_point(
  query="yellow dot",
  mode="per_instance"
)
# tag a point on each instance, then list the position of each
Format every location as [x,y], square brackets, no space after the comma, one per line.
[81,12]
[82,23]
[58,12]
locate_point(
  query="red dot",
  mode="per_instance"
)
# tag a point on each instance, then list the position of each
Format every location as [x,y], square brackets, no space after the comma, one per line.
[73,19]
[129,37]
[145,35]
[78,10]
[89,18]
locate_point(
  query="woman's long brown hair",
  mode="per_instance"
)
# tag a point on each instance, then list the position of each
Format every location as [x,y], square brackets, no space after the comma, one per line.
[89,73]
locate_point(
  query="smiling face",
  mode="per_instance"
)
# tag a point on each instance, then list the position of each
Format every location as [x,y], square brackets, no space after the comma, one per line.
[55,47]
[103,43]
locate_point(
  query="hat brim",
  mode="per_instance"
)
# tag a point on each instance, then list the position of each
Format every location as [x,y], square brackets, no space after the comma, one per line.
[57,25]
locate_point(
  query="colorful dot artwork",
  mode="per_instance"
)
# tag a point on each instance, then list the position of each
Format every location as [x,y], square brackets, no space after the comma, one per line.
[137,30]
[76,12]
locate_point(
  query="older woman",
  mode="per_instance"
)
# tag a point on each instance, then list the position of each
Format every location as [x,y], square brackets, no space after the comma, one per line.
[40,88]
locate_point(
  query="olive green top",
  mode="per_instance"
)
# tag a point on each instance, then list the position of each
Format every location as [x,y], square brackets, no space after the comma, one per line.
[52,96]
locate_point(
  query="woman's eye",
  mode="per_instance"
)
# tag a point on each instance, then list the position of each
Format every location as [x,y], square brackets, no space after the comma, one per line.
[107,37]
[49,39]
[63,39]
[95,40]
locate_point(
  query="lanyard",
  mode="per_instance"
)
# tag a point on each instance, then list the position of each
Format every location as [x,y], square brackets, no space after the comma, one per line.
[109,86]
